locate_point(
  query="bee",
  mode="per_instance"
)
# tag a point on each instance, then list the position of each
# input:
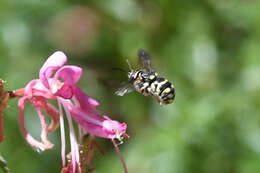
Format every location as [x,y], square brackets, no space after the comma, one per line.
[147,82]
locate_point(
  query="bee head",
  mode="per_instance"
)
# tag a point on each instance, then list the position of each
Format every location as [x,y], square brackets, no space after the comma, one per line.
[132,75]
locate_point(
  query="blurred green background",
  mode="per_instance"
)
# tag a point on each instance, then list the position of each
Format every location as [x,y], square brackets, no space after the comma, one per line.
[209,49]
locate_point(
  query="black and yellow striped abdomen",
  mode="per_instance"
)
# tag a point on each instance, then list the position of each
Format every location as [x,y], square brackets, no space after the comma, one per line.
[148,84]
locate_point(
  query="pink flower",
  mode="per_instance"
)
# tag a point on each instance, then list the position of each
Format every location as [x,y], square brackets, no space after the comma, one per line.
[58,82]
[97,125]
[33,94]
[70,169]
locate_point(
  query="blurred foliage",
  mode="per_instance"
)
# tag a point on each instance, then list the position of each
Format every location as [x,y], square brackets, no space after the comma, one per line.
[209,49]
[3,165]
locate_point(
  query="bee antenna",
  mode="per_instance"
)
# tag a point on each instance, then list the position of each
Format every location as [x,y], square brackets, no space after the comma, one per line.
[129,65]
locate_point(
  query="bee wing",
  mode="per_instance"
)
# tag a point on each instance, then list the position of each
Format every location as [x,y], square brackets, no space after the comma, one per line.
[145,59]
[124,90]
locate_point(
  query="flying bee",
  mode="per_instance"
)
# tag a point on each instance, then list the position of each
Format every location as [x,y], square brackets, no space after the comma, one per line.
[147,82]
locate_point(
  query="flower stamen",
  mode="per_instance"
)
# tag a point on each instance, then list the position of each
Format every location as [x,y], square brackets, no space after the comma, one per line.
[62,135]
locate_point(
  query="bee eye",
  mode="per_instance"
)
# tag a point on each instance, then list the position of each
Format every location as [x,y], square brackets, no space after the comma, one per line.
[130,75]
[131,78]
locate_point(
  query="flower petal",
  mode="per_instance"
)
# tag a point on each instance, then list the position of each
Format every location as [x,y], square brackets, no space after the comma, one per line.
[70,74]
[86,102]
[54,114]
[97,125]
[66,91]
[34,143]
[36,88]
[44,130]
[54,62]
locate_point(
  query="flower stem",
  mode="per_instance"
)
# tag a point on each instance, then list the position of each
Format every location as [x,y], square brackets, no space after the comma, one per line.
[16,93]
[1,127]
[3,104]
[118,153]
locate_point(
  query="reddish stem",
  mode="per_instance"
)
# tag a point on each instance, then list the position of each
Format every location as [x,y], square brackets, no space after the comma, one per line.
[90,152]
[3,100]
[1,127]
[120,156]
[99,148]
[16,93]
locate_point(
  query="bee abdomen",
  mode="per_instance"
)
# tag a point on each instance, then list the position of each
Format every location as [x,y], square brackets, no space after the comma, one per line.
[165,86]
[156,86]
[163,90]
[148,84]
[168,95]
